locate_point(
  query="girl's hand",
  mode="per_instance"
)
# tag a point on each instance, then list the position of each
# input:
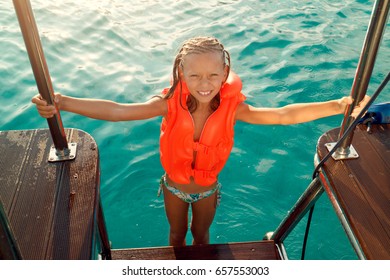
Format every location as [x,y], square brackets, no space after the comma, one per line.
[345,101]
[360,106]
[45,110]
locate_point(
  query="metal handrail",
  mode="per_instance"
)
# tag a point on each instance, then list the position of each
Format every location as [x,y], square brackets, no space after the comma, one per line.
[42,77]
[342,218]
[360,84]
[312,193]
[9,249]
[364,69]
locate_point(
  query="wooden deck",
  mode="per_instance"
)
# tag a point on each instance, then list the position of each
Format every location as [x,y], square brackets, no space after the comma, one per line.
[51,207]
[360,188]
[262,250]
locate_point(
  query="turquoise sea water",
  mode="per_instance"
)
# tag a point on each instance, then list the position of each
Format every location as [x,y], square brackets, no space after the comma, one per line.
[292,51]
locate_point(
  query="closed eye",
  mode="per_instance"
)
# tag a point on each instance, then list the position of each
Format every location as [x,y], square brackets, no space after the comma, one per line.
[214,76]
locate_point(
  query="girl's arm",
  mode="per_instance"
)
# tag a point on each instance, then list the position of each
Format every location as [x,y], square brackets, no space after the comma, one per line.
[295,113]
[102,109]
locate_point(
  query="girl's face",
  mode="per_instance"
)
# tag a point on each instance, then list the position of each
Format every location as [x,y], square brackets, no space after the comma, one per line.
[204,74]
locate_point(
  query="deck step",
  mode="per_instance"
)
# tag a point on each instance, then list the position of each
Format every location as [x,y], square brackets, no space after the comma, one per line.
[50,207]
[360,188]
[259,250]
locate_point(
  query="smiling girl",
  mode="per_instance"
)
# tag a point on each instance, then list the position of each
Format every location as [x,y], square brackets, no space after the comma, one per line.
[199,111]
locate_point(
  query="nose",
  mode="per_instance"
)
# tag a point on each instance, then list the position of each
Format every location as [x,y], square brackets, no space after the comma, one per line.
[204,81]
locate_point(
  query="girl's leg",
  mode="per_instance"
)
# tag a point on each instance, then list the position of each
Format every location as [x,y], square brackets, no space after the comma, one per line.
[203,212]
[177,214]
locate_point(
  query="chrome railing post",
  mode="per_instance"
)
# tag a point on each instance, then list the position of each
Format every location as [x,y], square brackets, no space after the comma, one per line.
[363,73]
[298,211]
[33,44]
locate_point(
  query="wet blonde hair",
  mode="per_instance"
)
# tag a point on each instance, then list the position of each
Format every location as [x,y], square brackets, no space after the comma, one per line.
[197,45]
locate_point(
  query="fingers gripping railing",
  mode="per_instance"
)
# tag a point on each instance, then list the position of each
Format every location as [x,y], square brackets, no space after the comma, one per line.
[61,150]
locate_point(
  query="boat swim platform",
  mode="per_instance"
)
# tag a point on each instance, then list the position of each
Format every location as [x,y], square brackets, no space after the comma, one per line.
[257,250]
[359,189]
[52,209]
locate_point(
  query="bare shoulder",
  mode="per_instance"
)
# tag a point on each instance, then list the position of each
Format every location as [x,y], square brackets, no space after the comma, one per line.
[242,111]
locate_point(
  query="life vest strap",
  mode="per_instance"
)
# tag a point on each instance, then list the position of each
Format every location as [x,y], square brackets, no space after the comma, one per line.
[196,173]
[201,147]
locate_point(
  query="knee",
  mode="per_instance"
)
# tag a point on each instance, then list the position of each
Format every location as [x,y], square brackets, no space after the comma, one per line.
[177,236]
[200,237]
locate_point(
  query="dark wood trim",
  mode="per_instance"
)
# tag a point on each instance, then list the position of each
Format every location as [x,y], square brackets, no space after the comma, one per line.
[362,187]
[51,207]
[261,250]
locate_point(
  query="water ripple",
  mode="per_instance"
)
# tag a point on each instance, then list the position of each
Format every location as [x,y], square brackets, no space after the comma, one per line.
[123,50]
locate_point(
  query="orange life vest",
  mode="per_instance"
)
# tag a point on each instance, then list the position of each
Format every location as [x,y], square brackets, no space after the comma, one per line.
[177,143]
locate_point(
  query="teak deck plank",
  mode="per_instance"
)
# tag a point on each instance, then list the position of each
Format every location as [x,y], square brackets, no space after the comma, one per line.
[51,207]
[262,250]
[362,187]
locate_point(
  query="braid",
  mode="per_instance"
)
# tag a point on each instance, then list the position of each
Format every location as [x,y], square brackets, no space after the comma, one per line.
[196,45]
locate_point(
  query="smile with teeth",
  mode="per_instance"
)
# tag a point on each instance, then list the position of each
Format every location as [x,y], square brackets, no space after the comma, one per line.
[204,93]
